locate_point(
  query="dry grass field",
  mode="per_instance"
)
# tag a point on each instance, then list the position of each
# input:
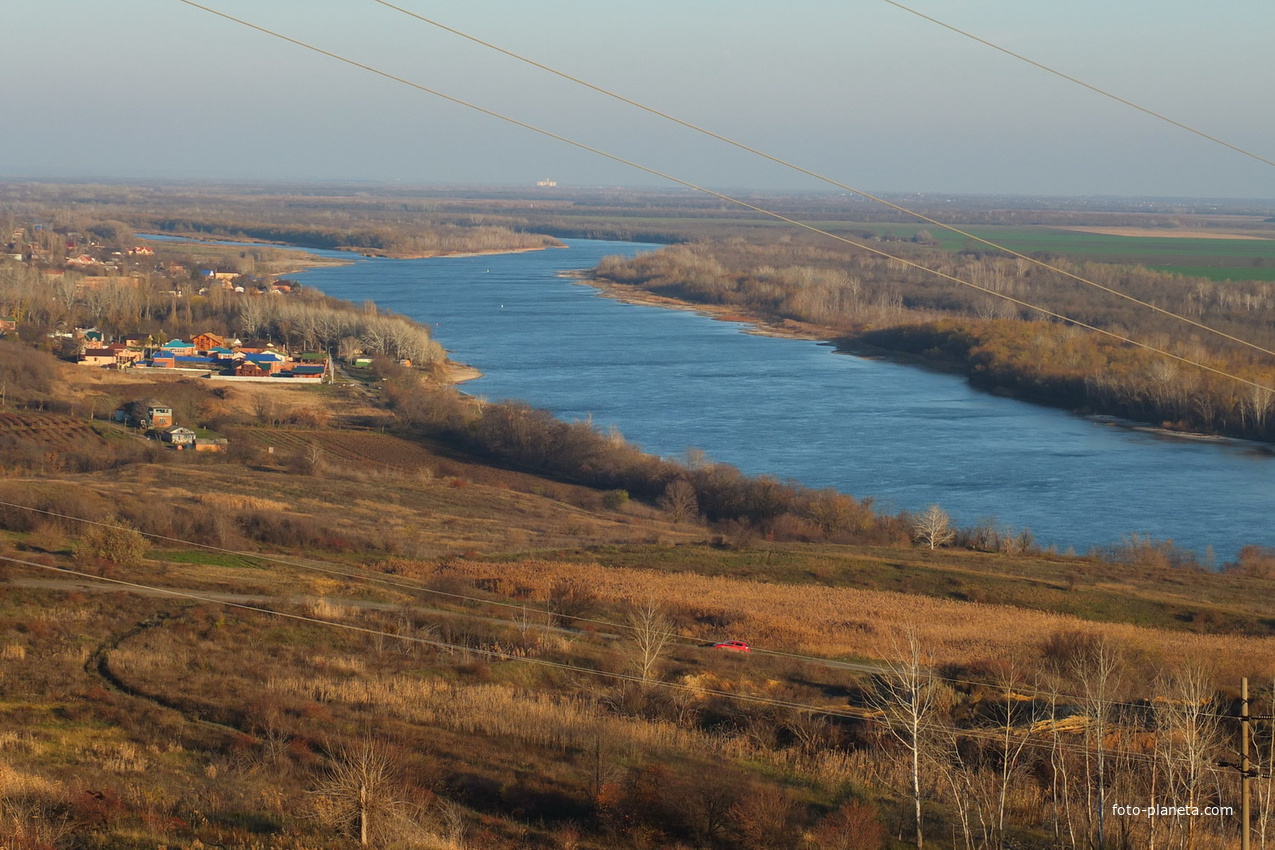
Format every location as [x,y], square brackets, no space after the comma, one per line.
[846,623]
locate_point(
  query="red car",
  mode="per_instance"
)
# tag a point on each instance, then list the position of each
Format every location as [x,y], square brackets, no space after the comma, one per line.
[733,646]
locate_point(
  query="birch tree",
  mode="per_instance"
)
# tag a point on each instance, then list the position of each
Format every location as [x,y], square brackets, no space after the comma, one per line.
[906,695]
[932,527]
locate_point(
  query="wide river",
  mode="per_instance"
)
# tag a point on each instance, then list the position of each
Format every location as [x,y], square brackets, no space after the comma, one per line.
[908,437]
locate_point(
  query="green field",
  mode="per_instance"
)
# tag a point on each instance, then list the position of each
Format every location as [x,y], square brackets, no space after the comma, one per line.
[1217,259]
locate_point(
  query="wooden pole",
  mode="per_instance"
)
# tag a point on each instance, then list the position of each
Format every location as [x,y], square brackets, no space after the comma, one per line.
[1245,768]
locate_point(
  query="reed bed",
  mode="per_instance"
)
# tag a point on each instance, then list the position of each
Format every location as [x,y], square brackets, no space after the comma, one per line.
[840,622]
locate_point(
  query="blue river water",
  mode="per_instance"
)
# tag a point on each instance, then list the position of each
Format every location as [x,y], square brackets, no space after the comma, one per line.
[908,437]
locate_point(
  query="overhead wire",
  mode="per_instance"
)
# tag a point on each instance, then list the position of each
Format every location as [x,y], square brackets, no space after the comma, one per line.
[827,710]
[845,712]
[829,180]
[722,196]
[883,667]
[1159,116]
[759,209]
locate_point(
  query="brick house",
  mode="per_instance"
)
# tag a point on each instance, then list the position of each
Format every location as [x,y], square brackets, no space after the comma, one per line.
[145,414]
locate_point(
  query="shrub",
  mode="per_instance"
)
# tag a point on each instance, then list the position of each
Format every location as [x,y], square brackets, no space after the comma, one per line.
[115,541]
[614,500]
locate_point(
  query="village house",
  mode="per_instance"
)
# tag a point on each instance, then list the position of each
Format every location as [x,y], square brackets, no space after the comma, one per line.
[96,357]
[90,335]
[208,341]
[178,436]
[269,361]
[8,323]
[249,369]
[178,348]
[145,414]
[125,356]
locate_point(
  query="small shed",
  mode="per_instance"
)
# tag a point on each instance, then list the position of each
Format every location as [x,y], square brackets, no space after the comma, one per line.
[177,435]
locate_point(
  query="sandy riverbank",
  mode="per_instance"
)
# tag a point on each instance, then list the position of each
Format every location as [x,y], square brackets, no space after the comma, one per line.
[755,322]
[445,254]
[459,373]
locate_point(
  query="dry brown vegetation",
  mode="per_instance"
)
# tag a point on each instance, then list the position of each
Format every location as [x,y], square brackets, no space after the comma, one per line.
[844,623]
[461,667]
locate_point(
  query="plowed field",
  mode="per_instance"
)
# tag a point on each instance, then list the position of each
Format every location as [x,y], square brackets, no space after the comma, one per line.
[54,430]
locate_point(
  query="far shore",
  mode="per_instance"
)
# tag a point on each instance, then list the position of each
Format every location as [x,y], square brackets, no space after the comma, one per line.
[755,323]
[327,262]
[790,329]
[441,254]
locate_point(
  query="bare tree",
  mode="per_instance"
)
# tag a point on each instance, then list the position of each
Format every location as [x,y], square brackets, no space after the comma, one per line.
[1096,668]
[1265,790]
[652,631]
[360,792]
[679,501]
[932,527]
[314,459]
[906,695]
[1187,737]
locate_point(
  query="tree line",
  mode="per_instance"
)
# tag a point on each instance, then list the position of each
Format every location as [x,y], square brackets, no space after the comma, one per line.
[863,298]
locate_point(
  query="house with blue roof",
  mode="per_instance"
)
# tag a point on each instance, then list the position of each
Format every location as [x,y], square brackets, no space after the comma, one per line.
[267,361]
[178,347]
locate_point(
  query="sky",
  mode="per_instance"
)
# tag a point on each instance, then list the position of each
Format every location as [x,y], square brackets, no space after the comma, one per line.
[855,89]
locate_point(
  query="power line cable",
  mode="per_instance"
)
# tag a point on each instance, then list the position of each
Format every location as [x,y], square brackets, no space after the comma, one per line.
[884,667]
[845,712]
[1159,116]
[831,181]
[761,210]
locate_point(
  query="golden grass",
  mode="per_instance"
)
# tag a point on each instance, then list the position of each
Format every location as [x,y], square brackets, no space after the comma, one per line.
[552,721]
[326,609]
[840,622]
[14,782]
[237,502]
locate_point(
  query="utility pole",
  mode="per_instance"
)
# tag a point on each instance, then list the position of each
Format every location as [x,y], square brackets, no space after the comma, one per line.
[1245,768]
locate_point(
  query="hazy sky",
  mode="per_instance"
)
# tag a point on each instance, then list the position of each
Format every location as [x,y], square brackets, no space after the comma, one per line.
[857,89]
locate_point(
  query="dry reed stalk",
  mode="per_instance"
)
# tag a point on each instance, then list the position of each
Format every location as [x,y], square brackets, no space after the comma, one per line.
[234,501]
[848,622]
